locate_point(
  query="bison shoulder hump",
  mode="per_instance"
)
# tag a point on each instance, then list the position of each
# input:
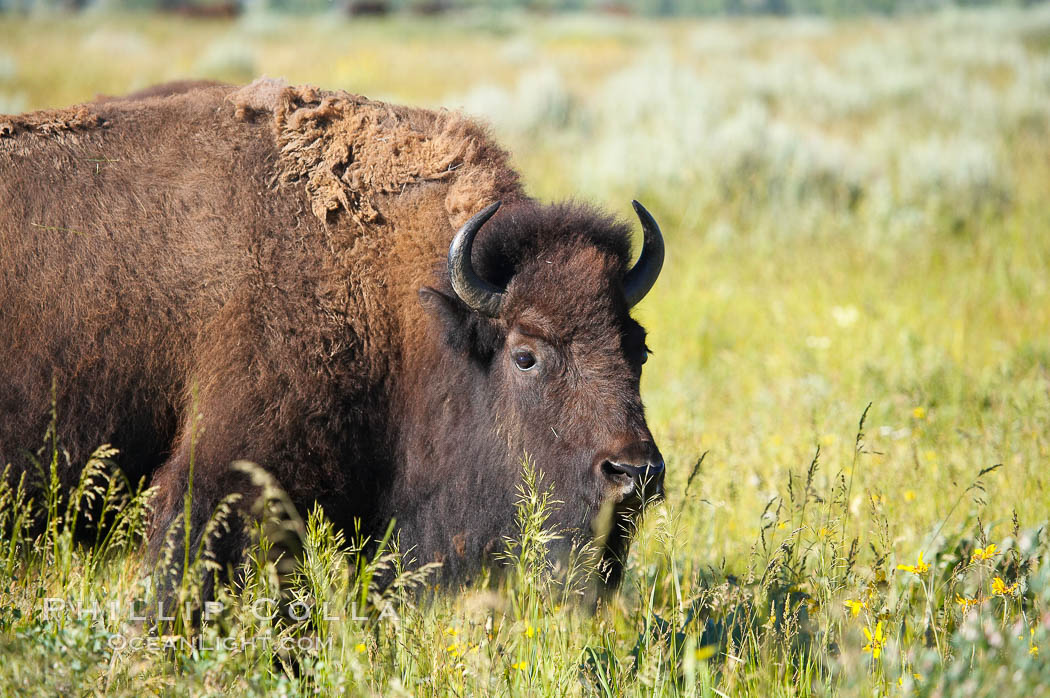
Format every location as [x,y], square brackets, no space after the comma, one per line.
[347,150]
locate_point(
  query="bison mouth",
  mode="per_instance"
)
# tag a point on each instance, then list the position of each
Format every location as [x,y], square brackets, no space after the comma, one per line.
[615,525]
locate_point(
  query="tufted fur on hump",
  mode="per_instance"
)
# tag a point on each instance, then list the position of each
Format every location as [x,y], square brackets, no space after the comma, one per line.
[349,149]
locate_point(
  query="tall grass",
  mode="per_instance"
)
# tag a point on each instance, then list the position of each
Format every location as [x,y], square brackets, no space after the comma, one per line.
[851,327]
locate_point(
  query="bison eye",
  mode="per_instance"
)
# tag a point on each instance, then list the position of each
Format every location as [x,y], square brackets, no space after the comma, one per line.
[524,360]
[646,351]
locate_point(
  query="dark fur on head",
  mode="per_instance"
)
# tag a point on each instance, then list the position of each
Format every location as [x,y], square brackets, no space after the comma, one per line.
[518,235]
[524,233]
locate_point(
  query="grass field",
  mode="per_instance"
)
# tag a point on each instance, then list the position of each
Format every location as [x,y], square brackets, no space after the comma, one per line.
[853,329]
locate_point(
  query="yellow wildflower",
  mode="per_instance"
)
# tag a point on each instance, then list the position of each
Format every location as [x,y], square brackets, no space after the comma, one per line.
[900,680]
[451,631]
[909,495]
[875,642]
[999,587]
[1033,650]
[360,647]
[918,568]
[854,606]
[984,553]
[530,631]
[824,532]
[704,653]
[520,666]
[453,649]
[965,603]
[919,413]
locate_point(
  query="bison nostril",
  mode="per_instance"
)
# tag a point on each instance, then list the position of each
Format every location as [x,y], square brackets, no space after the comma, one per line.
[613,469]
[635,472]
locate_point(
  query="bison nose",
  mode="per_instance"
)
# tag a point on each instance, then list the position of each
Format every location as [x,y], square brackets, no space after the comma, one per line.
[635,471]
[639,463]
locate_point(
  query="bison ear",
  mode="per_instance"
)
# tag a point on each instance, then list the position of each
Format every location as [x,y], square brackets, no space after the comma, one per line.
[463,330]
[444,308]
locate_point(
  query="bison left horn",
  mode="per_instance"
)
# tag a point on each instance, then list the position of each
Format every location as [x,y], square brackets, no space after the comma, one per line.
[642,276]
[479,295]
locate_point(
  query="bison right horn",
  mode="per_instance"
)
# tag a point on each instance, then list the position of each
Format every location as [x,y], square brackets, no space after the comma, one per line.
[642,276]
[479,295]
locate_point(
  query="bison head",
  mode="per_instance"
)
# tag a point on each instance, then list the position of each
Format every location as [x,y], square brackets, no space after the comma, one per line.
[542,358]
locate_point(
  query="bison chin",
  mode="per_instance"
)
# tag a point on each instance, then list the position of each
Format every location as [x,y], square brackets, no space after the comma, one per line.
[614,527]
[598,542]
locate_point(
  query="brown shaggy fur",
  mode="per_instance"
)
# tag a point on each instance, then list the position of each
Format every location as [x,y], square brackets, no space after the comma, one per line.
[208,274]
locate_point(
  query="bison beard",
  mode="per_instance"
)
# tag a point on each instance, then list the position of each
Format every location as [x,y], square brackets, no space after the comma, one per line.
[205,274]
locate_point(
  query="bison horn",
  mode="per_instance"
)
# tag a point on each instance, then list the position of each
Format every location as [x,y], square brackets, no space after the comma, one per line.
[642,276]
[479,295]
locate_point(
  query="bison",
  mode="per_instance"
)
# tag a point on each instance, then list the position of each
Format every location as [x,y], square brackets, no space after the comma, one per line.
[357,296]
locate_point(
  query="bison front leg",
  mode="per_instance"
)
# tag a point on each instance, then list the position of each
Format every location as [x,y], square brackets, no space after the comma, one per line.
[259,392]
[193,543]
[230,506]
